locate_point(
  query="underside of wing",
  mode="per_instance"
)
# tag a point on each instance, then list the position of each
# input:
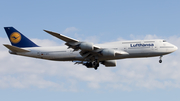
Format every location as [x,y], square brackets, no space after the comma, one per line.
[102,53]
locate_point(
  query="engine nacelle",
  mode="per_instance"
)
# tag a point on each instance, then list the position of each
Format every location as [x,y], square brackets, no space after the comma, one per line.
[109,63]
[86,46]
[108,52]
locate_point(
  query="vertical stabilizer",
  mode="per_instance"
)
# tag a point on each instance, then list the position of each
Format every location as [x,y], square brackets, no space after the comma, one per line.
[17,39]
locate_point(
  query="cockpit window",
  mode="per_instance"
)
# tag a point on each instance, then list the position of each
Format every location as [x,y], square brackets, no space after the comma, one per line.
[164,40]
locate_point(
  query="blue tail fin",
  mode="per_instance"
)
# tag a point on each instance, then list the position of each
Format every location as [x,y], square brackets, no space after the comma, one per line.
[17,39]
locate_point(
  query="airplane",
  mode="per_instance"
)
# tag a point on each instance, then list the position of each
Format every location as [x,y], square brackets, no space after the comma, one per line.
[87,53]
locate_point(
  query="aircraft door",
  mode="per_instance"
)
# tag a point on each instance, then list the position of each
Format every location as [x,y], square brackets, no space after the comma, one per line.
[125,48]
[155,48]
[39,54]
[70,53]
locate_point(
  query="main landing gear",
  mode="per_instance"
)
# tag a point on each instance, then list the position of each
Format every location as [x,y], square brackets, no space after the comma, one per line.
[93,64]
[160,59]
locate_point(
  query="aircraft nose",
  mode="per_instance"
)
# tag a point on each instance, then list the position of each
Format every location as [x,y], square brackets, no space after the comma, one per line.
[175,48]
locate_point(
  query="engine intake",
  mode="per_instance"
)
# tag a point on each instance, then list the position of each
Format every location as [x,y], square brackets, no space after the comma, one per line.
[108,52]
[86,46]
[109,63]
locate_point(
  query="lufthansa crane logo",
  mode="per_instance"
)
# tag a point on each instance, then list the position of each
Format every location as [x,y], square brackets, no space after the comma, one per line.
[15,37]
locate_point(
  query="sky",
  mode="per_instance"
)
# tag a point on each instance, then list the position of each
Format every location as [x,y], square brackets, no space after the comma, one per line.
[97,21]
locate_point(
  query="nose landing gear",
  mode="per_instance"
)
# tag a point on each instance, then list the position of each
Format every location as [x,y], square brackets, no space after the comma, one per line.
[160,61]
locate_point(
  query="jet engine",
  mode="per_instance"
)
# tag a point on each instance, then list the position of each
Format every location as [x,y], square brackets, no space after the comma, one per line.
[109,63]
[86,46]
[108,52]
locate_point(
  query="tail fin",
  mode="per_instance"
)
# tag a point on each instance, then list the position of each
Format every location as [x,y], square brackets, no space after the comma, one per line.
[17,39]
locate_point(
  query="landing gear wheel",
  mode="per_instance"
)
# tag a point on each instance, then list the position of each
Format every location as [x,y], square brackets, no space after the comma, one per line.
[160,61]
[96,66]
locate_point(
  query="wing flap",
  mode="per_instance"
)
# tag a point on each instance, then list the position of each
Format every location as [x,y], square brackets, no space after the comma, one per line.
[15,49]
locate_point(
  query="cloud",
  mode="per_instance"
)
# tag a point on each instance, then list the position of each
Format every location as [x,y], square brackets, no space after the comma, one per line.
[69,30]
[45,42]
[130,74]
[148,36]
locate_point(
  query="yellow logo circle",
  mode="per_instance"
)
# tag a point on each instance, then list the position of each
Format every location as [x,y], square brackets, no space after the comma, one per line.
[15,37]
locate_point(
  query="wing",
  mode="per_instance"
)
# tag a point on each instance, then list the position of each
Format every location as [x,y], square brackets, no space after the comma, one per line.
[72,43]
[62,37]
[88,50]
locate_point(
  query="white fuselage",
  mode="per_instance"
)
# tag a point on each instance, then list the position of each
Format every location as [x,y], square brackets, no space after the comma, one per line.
[135,49]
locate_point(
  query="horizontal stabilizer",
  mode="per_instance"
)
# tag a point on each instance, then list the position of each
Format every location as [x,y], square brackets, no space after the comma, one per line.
[62,37]
[15,49]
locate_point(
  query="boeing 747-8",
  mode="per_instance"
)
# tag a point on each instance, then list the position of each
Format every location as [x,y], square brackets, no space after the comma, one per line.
[86,53]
